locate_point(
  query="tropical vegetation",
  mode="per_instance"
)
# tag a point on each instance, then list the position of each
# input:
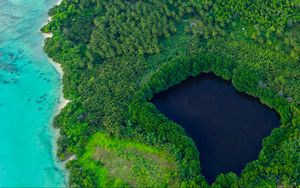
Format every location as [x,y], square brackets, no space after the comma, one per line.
[117,54]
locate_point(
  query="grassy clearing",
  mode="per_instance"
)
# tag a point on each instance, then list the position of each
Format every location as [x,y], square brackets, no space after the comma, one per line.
[127,163]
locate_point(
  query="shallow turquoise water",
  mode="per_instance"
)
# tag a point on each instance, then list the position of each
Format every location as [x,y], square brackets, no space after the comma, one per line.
[29,95]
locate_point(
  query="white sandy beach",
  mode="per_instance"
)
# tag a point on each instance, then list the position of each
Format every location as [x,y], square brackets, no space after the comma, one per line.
[49,35]
[63,102]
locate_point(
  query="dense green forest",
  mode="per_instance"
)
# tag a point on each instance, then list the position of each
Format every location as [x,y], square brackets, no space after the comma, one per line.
[117,54]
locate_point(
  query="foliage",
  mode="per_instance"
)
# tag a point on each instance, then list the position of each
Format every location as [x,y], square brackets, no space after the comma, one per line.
[265,21]
[126,163]
[117,54]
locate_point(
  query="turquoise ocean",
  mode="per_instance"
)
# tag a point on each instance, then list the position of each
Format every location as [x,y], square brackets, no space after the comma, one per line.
[29,97]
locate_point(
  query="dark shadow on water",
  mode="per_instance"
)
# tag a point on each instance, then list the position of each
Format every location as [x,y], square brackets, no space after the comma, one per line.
[227,126]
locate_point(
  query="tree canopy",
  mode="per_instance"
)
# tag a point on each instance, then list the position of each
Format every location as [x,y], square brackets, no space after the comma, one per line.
[117,54]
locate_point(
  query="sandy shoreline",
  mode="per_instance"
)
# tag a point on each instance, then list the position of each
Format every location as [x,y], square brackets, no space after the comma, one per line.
[49,35]
[62,101]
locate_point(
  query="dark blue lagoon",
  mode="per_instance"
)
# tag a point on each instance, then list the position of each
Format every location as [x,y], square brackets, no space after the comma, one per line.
[227,126]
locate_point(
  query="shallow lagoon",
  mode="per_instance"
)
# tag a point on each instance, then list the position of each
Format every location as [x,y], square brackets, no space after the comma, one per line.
[227,126]
[29,95]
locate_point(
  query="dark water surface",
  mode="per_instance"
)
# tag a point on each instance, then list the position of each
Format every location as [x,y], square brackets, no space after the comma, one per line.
[227,126]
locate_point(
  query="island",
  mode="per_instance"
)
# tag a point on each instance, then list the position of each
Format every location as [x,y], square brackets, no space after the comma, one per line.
[118,55]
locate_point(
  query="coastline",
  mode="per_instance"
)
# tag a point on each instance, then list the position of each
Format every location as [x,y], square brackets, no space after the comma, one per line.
[63,101]
[30,94]
[49,19]
[61,104]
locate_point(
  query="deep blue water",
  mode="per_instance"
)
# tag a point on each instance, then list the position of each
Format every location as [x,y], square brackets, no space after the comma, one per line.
[29,96]
[227,126]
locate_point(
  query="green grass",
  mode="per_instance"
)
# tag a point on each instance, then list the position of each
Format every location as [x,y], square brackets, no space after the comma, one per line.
[125,163]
